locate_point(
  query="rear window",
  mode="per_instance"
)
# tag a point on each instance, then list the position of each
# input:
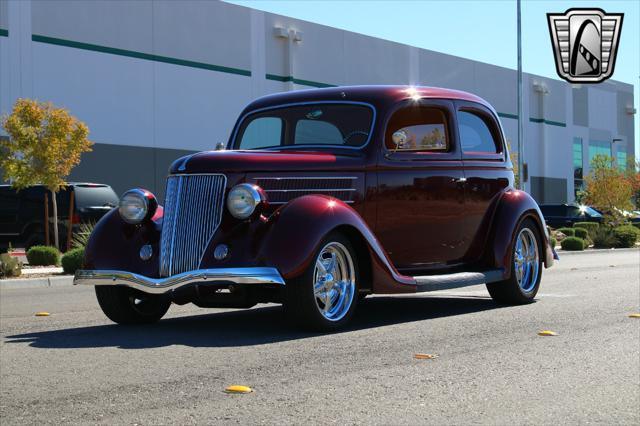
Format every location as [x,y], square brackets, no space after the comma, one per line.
[313,125]
[95,196]
[475,135]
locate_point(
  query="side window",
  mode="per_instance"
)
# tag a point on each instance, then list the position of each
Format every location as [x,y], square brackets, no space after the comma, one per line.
[418,129]
[262,132]
[312,132]
[475,135]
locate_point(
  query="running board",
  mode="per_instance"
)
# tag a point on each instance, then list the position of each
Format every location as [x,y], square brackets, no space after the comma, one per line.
[457,280]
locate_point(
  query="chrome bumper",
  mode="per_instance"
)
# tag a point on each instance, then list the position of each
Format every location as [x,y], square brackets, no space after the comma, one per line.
[213,277]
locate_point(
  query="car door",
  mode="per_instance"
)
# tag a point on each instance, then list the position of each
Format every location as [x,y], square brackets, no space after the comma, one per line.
[420,196]
[486,169]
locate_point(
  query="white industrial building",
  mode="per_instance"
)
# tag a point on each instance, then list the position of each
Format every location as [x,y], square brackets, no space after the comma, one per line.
[157,79]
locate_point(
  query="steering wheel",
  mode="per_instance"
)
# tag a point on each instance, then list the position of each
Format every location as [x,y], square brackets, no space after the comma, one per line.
[354,133]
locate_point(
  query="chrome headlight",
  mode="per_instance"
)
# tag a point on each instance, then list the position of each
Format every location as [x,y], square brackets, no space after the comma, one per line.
[243,200]
[137,205]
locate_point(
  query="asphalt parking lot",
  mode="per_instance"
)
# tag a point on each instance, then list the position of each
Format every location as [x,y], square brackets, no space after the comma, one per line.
[492,367]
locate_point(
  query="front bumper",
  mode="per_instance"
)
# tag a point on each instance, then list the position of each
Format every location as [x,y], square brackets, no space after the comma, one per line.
[210,277]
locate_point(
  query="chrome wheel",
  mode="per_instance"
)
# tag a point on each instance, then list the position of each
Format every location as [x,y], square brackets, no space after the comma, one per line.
[334,281]
[526,260]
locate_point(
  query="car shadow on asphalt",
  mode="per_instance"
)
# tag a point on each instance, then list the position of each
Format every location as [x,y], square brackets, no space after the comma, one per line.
[257,326]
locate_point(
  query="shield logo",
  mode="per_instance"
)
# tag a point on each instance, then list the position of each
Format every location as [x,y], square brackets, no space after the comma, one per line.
[585,43]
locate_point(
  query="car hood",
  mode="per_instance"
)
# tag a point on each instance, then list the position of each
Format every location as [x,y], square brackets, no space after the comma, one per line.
[262,161]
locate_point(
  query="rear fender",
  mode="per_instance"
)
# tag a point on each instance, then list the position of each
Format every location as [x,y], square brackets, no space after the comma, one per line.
[514,207]
[296,230]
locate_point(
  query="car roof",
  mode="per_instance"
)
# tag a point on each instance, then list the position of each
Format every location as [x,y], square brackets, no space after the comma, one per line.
[376,94]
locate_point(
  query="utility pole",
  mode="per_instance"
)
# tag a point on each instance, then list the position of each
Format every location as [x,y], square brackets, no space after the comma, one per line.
[520,108]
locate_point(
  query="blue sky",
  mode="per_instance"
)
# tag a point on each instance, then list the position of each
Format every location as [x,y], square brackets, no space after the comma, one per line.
[476,29]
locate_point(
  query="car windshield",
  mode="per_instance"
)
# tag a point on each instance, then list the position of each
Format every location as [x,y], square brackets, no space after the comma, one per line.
[313,125]
[590,211]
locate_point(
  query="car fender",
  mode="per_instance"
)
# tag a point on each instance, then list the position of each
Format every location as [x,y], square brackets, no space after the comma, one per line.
[296,230]
[513,207]
[115,244]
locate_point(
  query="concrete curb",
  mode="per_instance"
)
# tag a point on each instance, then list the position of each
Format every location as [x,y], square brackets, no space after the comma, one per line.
[59,281]
[593,251]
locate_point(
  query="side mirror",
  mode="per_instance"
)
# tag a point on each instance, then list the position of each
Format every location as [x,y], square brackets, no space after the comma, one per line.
[221,146]
[399,138]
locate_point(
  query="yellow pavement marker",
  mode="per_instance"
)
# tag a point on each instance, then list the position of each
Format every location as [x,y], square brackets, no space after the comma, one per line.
[634,315]
[547,333]
[238,389]
[425,356]
[42,314]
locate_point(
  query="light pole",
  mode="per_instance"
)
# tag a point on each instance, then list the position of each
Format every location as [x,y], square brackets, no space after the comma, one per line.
[520,108]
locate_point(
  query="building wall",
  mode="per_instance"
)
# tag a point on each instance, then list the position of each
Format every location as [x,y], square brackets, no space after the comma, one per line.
[158,79]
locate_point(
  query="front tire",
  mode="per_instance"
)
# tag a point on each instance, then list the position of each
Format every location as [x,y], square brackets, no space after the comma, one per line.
[325,296]
[526,268]
[124,305]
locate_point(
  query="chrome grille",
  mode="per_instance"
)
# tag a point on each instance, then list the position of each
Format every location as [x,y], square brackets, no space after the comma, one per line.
[192,212]
[281,190]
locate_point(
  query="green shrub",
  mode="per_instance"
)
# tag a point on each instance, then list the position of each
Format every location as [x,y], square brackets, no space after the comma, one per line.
[72,260]
[603,238]
[591,227]
[43,256]
[569,232]
[573,244]
[554,242]
[581,233]
[9,266]
[626,235]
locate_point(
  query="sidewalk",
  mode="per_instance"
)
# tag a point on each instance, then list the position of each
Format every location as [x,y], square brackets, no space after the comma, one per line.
[54,281]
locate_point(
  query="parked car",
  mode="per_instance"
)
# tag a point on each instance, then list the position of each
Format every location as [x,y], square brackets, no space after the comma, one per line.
[22,212]
[325,196]
[561,215]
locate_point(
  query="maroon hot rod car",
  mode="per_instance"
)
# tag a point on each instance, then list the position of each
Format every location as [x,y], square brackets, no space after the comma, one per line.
[320,198]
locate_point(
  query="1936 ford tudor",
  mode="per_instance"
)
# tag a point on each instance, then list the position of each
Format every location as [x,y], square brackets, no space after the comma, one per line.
[321,197]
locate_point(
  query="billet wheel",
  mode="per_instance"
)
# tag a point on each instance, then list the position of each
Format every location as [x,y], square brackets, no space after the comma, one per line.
[526,273]
[325,295]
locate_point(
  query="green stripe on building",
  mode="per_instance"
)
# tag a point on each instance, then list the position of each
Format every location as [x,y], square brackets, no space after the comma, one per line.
[138,55]
[4,33]
[549,122]
[507,115]
[286,79]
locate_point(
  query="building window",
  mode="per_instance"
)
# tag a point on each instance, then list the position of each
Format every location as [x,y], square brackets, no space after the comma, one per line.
[599,148]
[621,157]
[577,165]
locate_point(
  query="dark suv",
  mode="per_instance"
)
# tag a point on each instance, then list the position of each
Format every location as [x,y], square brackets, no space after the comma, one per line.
[22,212]
[559,215]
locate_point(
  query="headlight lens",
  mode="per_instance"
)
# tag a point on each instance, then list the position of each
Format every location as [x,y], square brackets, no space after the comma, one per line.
[243,200]
[134,206]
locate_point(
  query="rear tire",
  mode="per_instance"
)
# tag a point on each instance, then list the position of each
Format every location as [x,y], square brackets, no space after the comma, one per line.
[125,305]
[325,296]
[526,268]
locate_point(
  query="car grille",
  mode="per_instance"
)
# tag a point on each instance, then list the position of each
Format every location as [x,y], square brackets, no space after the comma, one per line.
[192,213]
[281,190]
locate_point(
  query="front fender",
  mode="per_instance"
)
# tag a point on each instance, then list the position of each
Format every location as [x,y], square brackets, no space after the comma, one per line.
[115,244]
[514,207]
[296,230]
